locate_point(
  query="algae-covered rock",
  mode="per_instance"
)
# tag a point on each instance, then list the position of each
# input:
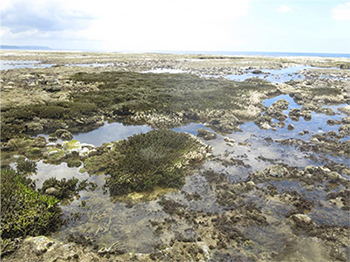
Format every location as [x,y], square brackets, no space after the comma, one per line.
[63,134]
[277,171]
[345,129]
[345,109]
[33,152]
[207,135]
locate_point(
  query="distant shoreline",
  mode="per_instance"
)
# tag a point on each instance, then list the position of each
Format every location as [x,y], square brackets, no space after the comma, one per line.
[222,53]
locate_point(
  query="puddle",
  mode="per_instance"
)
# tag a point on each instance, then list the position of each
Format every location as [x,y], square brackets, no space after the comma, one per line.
[283,75]
[165,70]
[14,64]
[273,75]
[110,132]
[92,65]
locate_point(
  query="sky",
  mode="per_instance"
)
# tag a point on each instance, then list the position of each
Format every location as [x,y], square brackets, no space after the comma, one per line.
[317,26]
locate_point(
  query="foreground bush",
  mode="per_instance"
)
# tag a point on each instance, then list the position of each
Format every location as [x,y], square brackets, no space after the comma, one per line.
[24,211]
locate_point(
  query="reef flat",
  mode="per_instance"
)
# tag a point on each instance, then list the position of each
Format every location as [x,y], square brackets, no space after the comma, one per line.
[169,157]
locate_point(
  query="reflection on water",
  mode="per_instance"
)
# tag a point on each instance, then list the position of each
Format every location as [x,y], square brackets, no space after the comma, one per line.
[110,132]
[165,70]
[273,75]
[13,64]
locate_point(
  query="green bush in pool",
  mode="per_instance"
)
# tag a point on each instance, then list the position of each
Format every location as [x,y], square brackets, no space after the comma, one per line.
[148,160]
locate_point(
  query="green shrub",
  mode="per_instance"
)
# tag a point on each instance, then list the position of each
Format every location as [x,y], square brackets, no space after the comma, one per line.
[148,160]
[25,211]
[26,166]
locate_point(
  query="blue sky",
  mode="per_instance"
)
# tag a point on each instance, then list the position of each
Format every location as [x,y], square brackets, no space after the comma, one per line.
[138,25]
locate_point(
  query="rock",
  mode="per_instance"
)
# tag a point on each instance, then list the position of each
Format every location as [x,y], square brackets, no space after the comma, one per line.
[250,184]
[346,120]
[230,144]
[40,244]
[307,116]
[345,130]
[314,140]
[265,126]
[52,137]
[312,169]
[63,134]
[229,140]
[277,171]
[290,127]
[53,88]
[327,111]
[333,122]
[280,105]
[302,219]
[207,135]
[257,71]
[345,110]
[52,191]
[281,124]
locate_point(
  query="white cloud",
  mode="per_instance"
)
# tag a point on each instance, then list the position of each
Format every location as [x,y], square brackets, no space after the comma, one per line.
[284,9]
[137,24]
[341,12]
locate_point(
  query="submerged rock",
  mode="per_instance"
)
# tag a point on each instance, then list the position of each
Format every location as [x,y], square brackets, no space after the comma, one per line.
[207,135]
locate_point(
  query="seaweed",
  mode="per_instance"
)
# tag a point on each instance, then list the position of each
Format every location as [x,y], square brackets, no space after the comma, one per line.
[145,161]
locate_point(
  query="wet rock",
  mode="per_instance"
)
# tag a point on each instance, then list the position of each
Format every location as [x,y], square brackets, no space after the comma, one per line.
[40,244]
[302,219]
[53,88]
[290,127]
[295,114]
[307,116]
[250,185]
[346,120]
[63,134]
[345,109]
[229,141]
[52,137]
[207,135]
[277,171]
[333,122]
[327,111]
[345,130]
[257,72]
[281,104]
[265,125]
[52,191]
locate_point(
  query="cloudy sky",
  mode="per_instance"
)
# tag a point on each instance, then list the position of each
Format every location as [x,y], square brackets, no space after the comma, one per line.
[179,25]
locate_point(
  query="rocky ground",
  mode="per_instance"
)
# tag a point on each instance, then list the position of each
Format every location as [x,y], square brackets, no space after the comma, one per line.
[278,191]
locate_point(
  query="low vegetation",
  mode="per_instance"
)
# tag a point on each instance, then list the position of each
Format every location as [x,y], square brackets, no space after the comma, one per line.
[144,161]
[24,211]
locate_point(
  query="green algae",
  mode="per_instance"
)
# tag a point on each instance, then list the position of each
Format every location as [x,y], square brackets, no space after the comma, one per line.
[157,158]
